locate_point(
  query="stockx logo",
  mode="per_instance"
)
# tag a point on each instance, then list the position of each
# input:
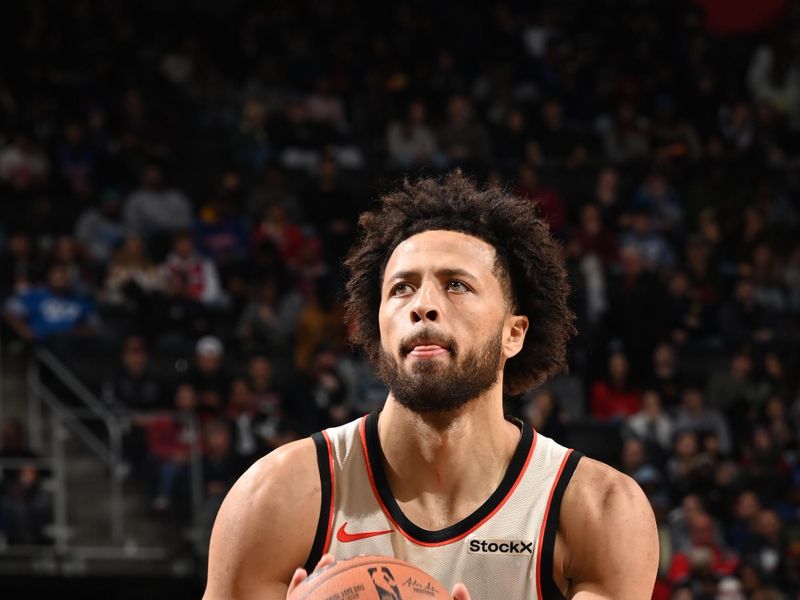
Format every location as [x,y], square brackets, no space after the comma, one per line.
[500,547]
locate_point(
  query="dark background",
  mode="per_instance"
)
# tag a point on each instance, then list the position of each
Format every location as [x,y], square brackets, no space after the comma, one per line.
[179,182]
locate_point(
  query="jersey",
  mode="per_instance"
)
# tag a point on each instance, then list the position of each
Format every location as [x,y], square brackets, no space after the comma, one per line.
[504,549]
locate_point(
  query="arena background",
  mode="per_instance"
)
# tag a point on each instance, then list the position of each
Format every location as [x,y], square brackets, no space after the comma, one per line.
[179,182]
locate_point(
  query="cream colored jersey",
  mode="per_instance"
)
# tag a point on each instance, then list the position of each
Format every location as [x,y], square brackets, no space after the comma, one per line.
[503,550]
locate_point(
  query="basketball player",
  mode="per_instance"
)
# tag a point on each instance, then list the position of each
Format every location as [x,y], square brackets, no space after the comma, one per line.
[457,295]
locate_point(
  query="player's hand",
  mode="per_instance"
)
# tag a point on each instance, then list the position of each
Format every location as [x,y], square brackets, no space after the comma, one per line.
[460,592]
[300,575]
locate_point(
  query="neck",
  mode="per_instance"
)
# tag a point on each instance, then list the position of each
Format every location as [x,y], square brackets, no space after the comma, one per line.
[446,464]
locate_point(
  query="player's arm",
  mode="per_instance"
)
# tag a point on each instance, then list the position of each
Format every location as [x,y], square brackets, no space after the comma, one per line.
[610,537]
[266,525]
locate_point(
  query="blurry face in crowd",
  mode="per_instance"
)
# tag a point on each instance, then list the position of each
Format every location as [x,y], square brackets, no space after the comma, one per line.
[134,356]
[741,366]
[686,444]
[240,396]
[218,439]
[633,455]
[459,110]
[702,530]
[185,398]
[209,362]
[20,244]
[664,357]
[692,399]
[184,246]
[747,506]
[152,177]
[417,113]
[651,403]
[260,369]
[58,279]
[590,220]
[444,321]
[618,367]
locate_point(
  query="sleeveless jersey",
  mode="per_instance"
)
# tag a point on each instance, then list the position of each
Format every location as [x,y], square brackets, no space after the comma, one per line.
[502,550]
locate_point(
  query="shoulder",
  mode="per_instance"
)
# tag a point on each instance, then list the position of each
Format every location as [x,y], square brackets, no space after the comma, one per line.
[609,533]
[266,525]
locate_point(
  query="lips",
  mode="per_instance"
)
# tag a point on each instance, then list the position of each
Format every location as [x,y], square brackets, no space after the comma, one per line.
[427,345]
[428,351]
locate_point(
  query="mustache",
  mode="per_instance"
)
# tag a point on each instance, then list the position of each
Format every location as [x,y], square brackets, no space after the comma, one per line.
[427,337]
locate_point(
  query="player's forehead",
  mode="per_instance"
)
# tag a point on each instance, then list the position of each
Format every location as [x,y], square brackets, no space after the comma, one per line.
[442,250]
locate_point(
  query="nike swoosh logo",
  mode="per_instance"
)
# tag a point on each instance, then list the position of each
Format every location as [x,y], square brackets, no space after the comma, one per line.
[344,537]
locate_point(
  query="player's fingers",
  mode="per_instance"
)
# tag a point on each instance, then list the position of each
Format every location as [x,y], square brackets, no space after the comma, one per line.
[298,578]
[326,560]
[460,592]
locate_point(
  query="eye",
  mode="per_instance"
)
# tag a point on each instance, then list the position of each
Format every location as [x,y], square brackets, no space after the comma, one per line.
[401,289]
[454,285]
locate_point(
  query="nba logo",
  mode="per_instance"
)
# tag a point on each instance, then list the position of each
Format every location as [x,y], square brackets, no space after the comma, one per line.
[385,584]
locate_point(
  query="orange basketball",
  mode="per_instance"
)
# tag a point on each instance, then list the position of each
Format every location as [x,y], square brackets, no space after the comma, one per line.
[370,578]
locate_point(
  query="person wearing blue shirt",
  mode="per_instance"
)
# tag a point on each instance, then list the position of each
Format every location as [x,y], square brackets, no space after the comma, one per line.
[42,312]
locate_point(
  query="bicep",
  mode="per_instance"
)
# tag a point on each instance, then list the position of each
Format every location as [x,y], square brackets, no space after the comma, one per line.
[265,528]
[614,547]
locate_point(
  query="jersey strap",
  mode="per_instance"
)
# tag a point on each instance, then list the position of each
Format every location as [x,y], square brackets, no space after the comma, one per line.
[546,585]
[322,538]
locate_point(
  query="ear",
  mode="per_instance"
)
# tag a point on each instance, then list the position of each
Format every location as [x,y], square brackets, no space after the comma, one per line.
[514,331]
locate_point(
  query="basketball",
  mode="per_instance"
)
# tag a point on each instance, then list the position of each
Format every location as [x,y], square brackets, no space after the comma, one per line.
[370,578]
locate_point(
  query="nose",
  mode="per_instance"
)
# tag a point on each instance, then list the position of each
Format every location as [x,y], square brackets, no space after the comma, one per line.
[424,307]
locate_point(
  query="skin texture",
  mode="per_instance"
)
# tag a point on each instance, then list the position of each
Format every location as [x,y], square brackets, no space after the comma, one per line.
[441,465]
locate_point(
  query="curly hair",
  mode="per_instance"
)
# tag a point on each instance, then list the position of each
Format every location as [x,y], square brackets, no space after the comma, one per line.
[528,265]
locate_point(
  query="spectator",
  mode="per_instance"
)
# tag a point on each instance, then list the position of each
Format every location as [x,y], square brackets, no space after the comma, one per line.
[334,209]
[544,414]
[275,227]
[650,244]
[550,204]
[132,280]
[134,388]
[659,201]
[666,377]
[99,230]
[625,135]
[221,467]
[743,321]
[323,393]
[410,142]
[704,556]
[25,507]
[22,164]
[20,266]
[209,378]
[169,441]
[220,229]
[593,237]
[190,275]
[615,397]
[275,189]
[694,415]
[463,139]
[320,322]
[768,548]
[651,424]
[269,320]
[155,209]
[51,310]
[741,528]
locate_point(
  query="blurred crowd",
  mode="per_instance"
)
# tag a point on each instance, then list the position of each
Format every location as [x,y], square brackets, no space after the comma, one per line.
[179,183]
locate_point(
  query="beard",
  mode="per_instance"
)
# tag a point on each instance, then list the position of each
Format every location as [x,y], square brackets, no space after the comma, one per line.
[435,387]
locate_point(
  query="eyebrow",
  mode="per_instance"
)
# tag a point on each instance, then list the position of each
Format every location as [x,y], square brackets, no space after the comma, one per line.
[439,273]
